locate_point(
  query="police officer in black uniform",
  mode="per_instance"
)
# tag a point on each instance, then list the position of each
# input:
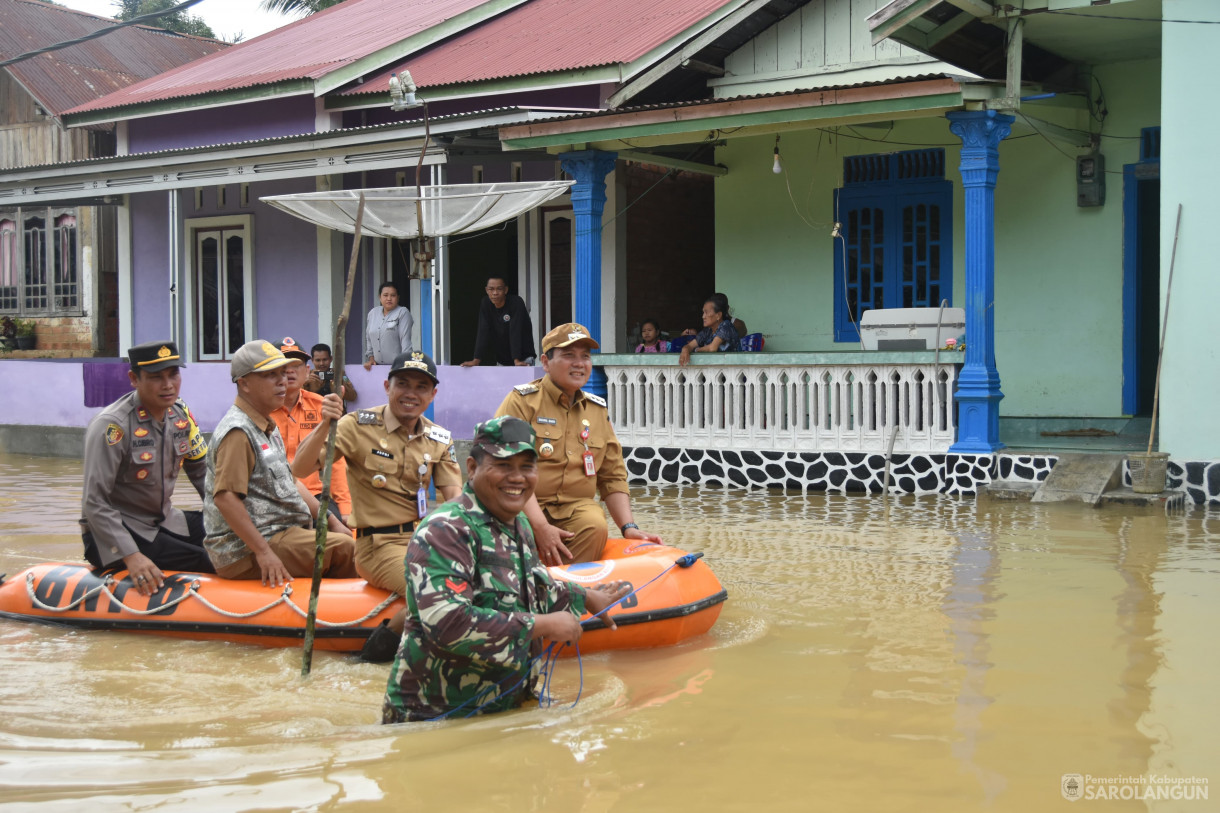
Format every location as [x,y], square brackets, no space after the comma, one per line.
[134,449]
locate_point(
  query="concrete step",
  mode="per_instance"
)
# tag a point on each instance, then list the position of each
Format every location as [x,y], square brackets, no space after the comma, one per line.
[1081,478]
[1009,490]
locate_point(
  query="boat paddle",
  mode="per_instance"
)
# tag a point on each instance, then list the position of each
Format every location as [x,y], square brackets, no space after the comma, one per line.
[321,523]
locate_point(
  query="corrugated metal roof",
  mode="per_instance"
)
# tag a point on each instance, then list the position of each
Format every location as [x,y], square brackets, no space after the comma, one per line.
[306,49]
[813,87]
[387,128]
[544,36]
[61,80]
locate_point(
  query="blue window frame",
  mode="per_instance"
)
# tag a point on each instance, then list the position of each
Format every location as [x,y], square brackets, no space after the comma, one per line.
[896,248]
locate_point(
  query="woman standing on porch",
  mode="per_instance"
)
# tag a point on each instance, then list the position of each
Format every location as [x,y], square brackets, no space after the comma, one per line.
[718,334]
[387,331]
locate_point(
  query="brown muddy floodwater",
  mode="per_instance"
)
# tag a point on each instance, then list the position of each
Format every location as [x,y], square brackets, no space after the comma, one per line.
[941,656]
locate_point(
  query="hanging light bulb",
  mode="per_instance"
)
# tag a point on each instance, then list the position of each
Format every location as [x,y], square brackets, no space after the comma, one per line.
[776,166]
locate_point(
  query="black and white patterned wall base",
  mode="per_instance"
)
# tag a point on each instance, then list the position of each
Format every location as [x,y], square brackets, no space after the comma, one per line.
[1200,479]
[843,472]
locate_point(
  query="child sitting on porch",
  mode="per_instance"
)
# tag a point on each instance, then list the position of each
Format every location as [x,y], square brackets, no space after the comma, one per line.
[650,332]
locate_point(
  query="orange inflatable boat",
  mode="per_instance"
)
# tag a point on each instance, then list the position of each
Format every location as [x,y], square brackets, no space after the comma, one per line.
[677,597]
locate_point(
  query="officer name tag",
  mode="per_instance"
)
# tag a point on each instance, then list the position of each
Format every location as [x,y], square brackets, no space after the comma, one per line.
[382,453]
[548,421]
[590,468]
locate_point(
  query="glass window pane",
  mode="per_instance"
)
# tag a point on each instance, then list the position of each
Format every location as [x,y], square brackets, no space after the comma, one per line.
[8,265]
[209,297]
[235,291]
[65,292]
[35,271]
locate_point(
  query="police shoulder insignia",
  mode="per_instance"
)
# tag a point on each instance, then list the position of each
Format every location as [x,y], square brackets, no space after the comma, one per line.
[597,399]
[526,389]
[438,434]
[114,434]
[367,417]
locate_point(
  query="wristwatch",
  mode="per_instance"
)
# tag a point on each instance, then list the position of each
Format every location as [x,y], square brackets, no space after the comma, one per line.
[629,525]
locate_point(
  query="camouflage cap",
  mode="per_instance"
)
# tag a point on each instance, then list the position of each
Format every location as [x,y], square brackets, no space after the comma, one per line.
[154,356]
[566,334]
[417,361]
[257,356]
[504,436]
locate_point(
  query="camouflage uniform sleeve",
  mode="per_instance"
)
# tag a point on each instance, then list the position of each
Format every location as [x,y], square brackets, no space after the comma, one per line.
[483,623]
[554,596]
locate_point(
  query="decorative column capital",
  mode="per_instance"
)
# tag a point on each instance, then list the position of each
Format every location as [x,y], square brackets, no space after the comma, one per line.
[981,132]
[980,129]
[588,166]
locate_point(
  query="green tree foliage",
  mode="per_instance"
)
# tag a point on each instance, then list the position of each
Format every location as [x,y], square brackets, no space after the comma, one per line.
[298,8]
[181,21]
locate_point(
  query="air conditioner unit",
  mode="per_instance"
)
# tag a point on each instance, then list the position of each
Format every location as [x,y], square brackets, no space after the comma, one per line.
[911,328]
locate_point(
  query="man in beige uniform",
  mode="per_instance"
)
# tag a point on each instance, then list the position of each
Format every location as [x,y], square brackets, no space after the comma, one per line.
[579,455]
[256,514]
[393,452]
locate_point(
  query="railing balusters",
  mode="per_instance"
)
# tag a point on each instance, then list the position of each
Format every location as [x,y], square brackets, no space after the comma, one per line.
[777,408]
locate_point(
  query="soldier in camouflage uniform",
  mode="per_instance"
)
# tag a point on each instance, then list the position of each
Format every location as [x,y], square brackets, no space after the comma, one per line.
[478,600]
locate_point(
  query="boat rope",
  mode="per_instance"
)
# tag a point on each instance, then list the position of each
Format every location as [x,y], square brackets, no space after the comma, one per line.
[194,592]
[550,657]
[548,669]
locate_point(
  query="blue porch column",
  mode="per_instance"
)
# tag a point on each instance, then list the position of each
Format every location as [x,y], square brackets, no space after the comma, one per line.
[978,386]
[589,168]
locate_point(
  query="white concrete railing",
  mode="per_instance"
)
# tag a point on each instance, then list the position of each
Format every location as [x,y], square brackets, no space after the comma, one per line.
[790,407]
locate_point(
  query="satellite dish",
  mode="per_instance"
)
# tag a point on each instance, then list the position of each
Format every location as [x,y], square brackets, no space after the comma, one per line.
[447,209]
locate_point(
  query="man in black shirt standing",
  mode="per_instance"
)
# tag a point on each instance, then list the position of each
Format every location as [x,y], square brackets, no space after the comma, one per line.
[505,335]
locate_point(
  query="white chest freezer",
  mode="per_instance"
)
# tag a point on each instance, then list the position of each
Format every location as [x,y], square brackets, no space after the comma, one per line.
[911,328]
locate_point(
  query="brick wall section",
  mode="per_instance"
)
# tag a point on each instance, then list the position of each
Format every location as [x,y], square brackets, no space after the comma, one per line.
[671,249]
[60,337]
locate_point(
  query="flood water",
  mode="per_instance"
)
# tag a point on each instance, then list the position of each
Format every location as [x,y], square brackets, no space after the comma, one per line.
[940,655]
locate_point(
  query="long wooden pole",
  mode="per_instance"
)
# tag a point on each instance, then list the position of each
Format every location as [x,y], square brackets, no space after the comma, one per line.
[1160,353]
[324,500]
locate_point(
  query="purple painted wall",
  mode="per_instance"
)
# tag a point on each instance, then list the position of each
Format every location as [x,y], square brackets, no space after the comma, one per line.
[285,268]
[150,268]
[265,118]
[465,396]
[285,250]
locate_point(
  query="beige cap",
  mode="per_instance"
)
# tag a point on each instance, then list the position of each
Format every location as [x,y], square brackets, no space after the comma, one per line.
[566,334]
[257,356]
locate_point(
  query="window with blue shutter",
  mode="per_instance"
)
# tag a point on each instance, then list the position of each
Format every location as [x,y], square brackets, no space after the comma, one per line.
[896,243]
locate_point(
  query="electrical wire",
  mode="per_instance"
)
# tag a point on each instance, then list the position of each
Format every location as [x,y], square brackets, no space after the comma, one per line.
[101,32]
[1128,19]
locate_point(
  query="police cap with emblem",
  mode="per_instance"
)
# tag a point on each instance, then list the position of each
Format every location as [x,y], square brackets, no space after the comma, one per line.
[568,334]
[153,356]
[414,361]
[504,436]
[257,356]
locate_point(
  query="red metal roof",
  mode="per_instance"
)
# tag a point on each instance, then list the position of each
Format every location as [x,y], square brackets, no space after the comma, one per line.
[309,48]
[544,36]
[63,79]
